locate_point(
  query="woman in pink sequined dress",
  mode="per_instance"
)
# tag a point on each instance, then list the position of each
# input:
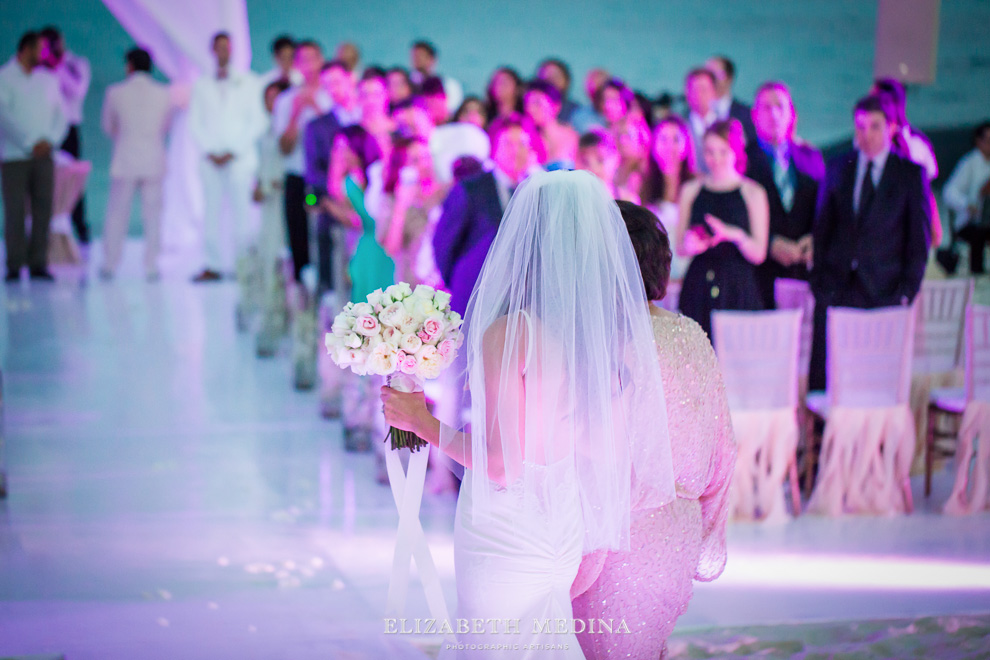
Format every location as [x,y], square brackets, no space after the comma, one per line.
[650,586]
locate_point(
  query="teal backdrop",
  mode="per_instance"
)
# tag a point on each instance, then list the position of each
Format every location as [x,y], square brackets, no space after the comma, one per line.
[822,48]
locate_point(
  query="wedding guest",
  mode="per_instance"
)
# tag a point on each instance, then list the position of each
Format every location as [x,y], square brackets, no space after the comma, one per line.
[400,86]
[791,172]
[412,195]
[423,59]
[598,154]
[727,106]
[472,111]
[723,226]
[504,94]
[32,122]
[348,53]
[226,118]
[268,192]
[593,82]
[373,104]
[650,585]
[136,115]
[672,165]
[966,193]
[872,230]
[559,141]
[73,73]
[700,92]
[436,100]
[473,210]
[556,72]
[633,142]
[294,109]
[613,101]
[283,56]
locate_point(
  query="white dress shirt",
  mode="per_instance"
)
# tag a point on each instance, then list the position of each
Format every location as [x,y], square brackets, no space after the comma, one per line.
[295,162]
[74,76]
[721,106]
[227,115]
[879,162]
[136,115]
[962,190]
[920,152]
[31,110]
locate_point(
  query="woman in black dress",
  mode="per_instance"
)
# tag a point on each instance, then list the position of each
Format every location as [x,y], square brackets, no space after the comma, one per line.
[723,224]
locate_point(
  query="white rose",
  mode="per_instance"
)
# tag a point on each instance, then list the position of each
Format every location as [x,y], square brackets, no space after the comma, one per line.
[341,355]
[372,342]
[353,341]
[424,291]
[383,359]
[367,325]
[391,335]
[410,343]
[399,291]
[375,297]
[342,324]
[394,315]
[363,309]
[429,362]
[442,300]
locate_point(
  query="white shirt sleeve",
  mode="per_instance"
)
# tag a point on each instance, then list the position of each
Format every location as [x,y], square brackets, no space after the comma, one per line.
[955,192]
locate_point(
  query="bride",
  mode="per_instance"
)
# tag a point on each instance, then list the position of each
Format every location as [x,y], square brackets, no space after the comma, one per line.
[566,401]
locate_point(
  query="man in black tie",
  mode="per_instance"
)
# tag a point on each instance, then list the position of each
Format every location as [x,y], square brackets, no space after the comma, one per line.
[872,231]
[791,171]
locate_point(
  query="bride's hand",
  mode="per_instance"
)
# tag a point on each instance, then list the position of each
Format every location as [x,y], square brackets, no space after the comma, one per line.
[405,411]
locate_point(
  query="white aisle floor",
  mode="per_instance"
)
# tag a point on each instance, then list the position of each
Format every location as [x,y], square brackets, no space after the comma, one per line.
[171,496]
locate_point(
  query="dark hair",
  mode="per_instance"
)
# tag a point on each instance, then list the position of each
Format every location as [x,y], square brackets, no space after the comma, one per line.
[363,144]
[50,33]
[373,71]
[980,129]
[876,103]
[281,85]
[28,40]
[596,137]
[463,106]
[139,59]
[413,101]
[728,65]
[893,91]
[492,107]
[466,167]
[654,183]
[731,131]
[645,104]
[218,36]
[545,88]
[398,159]
[652,246]
[336,64]
[427,46]
[432,86]
[626,94]
[560,64]
[282,41]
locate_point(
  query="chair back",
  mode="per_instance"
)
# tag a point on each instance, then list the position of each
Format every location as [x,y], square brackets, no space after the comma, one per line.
[758,354]
[796,294]
[938,336]
[978,353]
[869,356]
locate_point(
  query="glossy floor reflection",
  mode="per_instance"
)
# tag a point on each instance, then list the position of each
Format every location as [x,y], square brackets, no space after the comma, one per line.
[171,496]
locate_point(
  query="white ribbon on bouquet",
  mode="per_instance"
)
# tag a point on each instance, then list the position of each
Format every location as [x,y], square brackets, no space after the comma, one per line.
[410,542]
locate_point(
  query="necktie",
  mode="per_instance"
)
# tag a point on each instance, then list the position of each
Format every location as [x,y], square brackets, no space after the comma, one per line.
[868,190]
[782,179]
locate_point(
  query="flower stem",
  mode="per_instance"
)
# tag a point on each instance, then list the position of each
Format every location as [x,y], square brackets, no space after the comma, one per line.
[405,439]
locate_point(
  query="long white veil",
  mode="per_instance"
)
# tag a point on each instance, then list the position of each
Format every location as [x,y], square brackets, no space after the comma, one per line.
[562,364]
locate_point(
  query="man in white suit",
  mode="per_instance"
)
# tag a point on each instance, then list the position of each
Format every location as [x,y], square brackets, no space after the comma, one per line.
[136,116]
[226,118]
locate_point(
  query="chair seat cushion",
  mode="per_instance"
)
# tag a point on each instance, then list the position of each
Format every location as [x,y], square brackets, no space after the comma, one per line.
[949,399]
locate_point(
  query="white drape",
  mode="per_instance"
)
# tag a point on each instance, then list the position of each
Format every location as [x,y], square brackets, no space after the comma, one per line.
[178,34]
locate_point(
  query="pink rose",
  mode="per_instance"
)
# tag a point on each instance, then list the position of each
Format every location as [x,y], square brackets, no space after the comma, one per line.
[407,363]
[432,328]
[447,348]
[367,325]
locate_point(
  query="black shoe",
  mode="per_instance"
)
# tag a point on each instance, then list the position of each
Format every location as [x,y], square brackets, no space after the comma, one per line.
[12,276]
[207,276]
[42,275]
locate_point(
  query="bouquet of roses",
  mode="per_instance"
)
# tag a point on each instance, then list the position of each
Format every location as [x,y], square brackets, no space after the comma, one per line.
[404,334]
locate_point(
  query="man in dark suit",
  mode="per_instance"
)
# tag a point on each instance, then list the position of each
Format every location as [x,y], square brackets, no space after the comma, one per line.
[872,231]
[791,172]
[473,210]
[726,105]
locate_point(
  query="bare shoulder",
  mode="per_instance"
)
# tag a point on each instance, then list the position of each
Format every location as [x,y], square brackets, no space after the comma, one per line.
[690,189]
[752,190]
